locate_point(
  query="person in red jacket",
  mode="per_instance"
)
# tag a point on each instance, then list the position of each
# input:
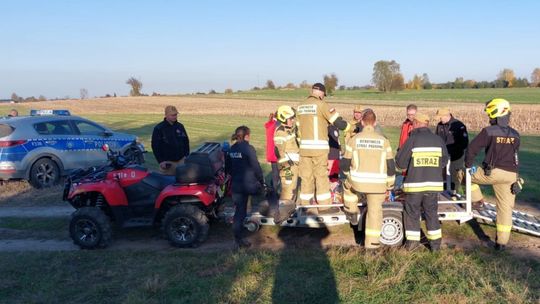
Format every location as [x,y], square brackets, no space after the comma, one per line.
[407,125]
[270,127]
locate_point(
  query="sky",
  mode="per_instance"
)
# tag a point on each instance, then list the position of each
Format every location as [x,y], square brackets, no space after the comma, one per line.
[55,48]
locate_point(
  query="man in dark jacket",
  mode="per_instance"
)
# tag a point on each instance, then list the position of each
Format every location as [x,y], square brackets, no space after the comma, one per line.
[424,155]
[170,142]
[454,134]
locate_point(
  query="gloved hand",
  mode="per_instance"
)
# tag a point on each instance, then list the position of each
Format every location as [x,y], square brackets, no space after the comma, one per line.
[473,170]
[517,186]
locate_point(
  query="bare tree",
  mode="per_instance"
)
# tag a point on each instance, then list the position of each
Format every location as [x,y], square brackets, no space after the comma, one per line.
[84,93]
[535,78]
[384,74]
[136,86]
[330,83]
[270,85]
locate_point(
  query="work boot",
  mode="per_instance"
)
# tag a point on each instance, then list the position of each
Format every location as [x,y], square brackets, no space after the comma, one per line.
[242,243]
[411,245]
[500,247]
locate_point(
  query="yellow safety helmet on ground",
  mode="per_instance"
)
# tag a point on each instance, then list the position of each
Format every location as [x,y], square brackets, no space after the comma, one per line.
[497,107]
[284,113]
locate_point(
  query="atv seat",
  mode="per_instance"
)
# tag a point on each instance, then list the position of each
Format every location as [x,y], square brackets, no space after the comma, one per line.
[159,181]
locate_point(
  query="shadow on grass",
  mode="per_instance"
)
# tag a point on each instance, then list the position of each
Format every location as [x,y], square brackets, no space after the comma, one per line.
[304,279]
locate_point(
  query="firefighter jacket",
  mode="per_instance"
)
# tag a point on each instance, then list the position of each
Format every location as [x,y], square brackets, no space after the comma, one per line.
[424,155]
[242,164]
[170,142]
[314,116]
[372,167]
[501,146]
[286,146]
[454,135]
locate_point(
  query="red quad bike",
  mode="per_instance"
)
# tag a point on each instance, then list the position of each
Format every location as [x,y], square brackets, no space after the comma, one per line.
[129,195]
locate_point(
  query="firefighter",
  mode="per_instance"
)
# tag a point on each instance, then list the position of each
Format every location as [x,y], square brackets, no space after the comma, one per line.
[500,166]
[454,134]
[286,149]
[314,116]
[246,179]
[356,123]
[369,166]
[424,155]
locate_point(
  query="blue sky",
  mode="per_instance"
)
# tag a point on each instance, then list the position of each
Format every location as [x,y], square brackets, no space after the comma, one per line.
[55,48]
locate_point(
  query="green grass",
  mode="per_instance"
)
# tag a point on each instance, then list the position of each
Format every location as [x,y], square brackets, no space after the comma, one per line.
[514,95]
[292,275]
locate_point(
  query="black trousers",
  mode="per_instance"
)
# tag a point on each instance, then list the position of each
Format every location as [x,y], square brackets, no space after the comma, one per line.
[240,201]
[275,176]
[414,204]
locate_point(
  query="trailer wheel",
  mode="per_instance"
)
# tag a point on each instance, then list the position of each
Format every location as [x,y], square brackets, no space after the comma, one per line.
[185,226]
[393,231]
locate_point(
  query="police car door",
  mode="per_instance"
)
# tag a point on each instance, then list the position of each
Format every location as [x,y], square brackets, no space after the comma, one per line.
[94,137]
[58,137]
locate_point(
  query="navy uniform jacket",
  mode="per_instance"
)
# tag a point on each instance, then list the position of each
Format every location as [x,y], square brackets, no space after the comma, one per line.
[170,142]
[244,168]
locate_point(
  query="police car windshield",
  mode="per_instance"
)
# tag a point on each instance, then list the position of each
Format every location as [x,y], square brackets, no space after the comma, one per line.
[5,130]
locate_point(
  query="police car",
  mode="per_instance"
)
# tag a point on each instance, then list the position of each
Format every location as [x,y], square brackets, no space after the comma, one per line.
[48,144]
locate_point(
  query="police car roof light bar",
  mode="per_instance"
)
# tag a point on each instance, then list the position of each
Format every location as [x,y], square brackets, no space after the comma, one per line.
[49,112]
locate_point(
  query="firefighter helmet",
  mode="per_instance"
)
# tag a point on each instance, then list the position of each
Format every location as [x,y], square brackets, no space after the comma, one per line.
[497,107]
[284,113]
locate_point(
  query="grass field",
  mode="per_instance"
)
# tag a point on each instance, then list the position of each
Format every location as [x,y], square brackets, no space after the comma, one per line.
[302,271]
[514,95]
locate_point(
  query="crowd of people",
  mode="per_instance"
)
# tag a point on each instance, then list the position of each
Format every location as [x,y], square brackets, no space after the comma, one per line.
[304,150]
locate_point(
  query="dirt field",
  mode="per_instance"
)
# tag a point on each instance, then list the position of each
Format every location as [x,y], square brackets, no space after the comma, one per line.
[525,118]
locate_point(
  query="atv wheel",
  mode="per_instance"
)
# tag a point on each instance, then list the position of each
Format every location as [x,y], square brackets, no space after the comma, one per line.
[392,232]
[185,226]
[44,173]
[90,228]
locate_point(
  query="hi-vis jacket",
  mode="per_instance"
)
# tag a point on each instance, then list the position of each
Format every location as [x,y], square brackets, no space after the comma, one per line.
[372,167]
[286,145]
[314,116]
[424,155]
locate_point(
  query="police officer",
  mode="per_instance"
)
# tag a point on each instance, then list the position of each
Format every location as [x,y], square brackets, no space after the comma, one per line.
[314,116]
[286,146]
[454,134]
[369,165]
[424,155]
[246,179]
[170,142]
[500,166]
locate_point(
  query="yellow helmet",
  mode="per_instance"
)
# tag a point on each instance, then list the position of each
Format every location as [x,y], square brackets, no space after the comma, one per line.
[284,113]
[497,107]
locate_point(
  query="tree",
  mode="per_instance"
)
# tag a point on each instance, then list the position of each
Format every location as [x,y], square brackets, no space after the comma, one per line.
[416,83]
[507,77]
[16,98]
[84,93]
[290,85]
[42,98]
[384,74]
[136,86]
[398,83]
[229,91]
[330,82]
[521,83]
[270,85]
[304,85]
[426,84]
[535,78]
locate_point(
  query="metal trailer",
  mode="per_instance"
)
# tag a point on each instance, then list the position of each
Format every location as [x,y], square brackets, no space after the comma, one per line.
[451,208]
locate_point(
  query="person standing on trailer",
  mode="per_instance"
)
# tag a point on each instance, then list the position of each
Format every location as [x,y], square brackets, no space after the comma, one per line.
[369,166]
[314,116]
[424,155]
[286,150]
[500,166]
[246,179]
[454,134]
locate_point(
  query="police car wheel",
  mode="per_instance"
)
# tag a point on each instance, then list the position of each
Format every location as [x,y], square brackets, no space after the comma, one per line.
[44,173]
[90,228]
[392,232]
[185,226]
